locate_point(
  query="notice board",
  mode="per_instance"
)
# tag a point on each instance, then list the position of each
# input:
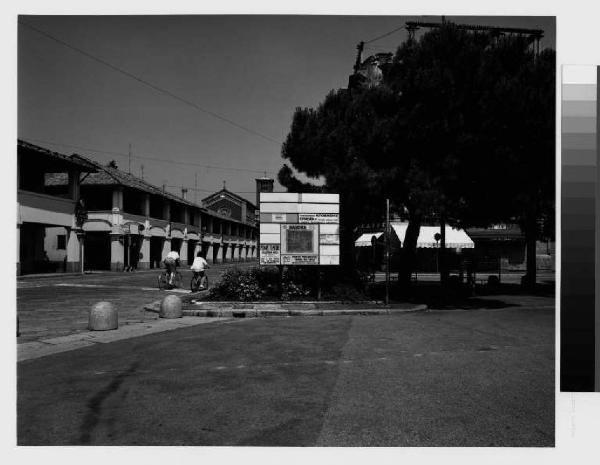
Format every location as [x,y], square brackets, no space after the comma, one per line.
[299,229]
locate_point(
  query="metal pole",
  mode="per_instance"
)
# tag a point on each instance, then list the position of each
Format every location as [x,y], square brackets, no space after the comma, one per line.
[319,285]
[499,269]
[387,251]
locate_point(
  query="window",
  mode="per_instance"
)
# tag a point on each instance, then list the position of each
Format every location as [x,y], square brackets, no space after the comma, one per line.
[61,242]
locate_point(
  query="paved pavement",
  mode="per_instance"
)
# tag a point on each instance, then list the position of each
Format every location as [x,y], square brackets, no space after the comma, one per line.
[58,305]
[476,377]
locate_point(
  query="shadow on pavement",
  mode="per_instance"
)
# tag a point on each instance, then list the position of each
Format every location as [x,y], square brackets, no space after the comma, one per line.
[462,297]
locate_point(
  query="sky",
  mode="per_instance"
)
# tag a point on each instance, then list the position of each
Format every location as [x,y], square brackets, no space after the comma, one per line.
[250,70]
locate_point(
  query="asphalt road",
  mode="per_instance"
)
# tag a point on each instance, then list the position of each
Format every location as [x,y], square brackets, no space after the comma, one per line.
[58,305]
[437,378]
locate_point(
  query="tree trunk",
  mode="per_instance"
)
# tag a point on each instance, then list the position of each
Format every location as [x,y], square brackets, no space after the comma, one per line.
[530,243]
[409,251]
[347,258]
[442,254]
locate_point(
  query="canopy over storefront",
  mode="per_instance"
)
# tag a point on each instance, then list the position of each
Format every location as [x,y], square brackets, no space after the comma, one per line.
[455,238]
[365,239]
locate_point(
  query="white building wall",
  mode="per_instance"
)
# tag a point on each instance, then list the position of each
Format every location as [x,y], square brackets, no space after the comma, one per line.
[51,244]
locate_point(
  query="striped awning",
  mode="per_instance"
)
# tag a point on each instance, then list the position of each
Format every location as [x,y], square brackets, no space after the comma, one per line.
[365,239]
[455,238]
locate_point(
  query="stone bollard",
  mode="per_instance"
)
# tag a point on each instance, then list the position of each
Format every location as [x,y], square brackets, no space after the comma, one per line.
[103,316]
[170,307]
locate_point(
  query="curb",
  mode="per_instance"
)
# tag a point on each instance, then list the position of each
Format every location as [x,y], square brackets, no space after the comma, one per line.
[252,313]
[279,303]
[270,309]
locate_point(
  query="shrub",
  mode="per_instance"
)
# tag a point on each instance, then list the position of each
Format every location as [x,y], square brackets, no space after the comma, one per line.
[236,285]
[297,283]
[245,285]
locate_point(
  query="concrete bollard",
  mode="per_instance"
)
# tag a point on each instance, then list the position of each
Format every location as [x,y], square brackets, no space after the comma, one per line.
[170,307]
[103,317]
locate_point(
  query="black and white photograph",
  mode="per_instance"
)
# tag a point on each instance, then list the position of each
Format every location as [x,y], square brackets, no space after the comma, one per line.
[286,230]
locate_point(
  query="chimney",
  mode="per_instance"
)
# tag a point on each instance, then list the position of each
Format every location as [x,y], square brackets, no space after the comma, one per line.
[184,193]
[263,185]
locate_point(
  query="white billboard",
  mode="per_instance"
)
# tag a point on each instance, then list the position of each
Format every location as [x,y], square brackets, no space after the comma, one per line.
[299,229]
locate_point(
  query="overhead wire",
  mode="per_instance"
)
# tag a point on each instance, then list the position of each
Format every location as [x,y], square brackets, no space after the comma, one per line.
[384,35]
[149,84]
[163,160]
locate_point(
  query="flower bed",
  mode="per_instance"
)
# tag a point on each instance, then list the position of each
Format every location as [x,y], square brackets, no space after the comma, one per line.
[295,284]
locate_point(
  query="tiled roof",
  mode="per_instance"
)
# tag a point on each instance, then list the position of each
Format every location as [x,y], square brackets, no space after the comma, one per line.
[108,176]
[80,164]
[232,194]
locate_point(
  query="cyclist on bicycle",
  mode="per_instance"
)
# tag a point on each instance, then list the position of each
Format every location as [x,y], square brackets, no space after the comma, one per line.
[171,263]
[199,266]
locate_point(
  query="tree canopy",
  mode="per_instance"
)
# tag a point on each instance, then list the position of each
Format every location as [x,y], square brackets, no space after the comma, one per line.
[461,127]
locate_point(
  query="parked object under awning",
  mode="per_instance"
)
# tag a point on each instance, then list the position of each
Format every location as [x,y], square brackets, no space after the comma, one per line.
[455,238]
[365,239]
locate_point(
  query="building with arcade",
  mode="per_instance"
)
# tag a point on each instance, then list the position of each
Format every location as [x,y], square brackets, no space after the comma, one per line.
[125,222]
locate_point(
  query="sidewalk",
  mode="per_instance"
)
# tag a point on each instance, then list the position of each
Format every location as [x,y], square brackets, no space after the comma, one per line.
[202,313]
[55,345]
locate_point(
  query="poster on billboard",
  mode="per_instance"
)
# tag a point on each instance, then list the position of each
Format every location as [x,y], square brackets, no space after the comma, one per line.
[294,259]
[270,254]
[319,218]
[300,238]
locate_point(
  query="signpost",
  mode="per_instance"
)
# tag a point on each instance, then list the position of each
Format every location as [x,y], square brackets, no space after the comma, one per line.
[387,251]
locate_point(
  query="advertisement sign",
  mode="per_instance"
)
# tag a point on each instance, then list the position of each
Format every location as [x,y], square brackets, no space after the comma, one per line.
[299,259]
[299,239]
[269,254]
[323,218]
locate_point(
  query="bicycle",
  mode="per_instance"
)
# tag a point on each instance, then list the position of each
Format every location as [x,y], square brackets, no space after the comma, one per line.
[199,281]
[163,280]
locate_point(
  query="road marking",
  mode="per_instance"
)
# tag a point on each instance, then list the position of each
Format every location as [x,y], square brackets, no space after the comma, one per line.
[81,285]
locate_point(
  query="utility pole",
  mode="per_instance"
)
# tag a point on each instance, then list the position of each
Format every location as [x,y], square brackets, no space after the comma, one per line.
[387,251]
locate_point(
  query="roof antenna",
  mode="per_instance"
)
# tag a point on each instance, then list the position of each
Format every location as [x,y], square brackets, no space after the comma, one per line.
[224,185]
[360,47]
